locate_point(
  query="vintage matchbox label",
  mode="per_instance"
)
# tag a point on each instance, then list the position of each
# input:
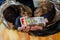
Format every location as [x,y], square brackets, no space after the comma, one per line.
[32,21]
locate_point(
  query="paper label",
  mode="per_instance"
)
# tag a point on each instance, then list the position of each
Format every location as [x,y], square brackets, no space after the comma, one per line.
[31,21]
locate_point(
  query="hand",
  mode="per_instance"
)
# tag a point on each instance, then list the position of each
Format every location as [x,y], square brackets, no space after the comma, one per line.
[33,28]
[28,28]
[24,28]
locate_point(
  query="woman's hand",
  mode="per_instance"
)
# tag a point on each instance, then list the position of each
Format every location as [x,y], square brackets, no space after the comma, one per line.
[24,28]
[30,28]
[33,28]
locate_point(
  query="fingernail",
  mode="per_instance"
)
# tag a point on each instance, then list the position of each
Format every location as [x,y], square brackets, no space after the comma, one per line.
[46,20]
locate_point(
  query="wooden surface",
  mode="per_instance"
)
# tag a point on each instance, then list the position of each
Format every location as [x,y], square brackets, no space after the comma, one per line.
[6,34]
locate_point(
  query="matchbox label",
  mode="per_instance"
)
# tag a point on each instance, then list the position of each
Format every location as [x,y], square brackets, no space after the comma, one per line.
[31,21]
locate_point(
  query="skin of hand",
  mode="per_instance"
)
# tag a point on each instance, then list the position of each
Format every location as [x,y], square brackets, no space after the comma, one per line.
[28,28]
[24,28]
